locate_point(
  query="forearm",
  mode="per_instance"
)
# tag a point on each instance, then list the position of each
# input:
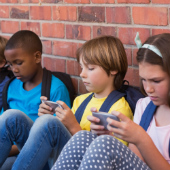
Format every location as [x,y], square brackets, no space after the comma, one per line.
[14,151]
[151,155]
[74,129]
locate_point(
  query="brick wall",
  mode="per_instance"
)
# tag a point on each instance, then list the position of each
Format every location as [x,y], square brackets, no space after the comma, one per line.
[64,25]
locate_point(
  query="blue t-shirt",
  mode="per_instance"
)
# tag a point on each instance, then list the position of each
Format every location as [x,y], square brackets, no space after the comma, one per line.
[29,101]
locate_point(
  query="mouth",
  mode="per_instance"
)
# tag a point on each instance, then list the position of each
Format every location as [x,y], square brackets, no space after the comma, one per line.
[85,83]
[18,77]
[153,98]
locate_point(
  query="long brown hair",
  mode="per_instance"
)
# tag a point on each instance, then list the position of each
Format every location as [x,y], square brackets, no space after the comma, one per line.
[162,43]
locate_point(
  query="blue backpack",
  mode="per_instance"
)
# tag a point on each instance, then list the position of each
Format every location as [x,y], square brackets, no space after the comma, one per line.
[130,93]
[147,117]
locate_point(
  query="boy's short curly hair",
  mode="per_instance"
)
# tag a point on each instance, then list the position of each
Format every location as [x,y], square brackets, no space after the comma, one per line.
[25,39]
[107,52]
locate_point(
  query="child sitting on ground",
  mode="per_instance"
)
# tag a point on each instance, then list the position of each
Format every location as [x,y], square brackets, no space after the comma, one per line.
[5,73]
[104,64]
[23,53]
[150,145]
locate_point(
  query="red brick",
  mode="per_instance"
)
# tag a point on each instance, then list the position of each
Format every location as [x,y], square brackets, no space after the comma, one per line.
[8,1]
[129,55]
[4,12]
[7,25]
[67,49]
[161,1]
[82,88]
[47,46]
[54,64]
[119,15]
[53,30]
[133,77]
[27,1]
[91,14]
[19,12]
[77,1]
[32,26]
[127,35]
[134,1]
[150,15]
[78,32]
[73,67]
[75,84]
[135,63]
[52,1]
[40,12]
[102,30]
[160,31]
[103,1]
[65,13]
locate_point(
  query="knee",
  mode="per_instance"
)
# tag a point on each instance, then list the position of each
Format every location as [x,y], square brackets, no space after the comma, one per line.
[45,123]
[12,114]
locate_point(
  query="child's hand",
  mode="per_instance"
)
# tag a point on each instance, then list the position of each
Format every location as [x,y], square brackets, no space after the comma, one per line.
[43,108]
[126,129]
[97,129]
[67,117]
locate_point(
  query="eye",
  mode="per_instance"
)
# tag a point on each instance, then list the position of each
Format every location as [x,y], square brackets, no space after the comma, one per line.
[91,69]
[19,63]
[156,81]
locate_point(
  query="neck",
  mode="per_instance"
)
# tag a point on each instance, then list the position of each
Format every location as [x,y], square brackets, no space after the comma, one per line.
[103,93]
[35,81]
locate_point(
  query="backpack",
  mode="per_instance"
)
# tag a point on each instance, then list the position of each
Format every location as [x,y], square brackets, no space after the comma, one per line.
[130,93]
[46,86]
[147,117]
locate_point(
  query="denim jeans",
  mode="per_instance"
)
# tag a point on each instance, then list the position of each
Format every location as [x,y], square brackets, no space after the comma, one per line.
[8,163]
[39,142]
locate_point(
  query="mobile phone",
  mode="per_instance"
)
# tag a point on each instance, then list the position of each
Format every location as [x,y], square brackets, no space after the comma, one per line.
[53,105]
[103,116]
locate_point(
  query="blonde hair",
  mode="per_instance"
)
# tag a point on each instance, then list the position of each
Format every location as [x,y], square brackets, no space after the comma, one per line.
[107,52]
[3,42]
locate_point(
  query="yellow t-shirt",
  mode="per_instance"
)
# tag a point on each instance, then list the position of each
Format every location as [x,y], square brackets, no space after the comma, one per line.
[121,105]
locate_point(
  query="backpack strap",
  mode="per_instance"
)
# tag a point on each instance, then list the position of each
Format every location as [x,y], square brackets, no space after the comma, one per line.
[46,83]
[113,97]
[110,100]
[4,94]
[65,78]
[148,115]
[81,108]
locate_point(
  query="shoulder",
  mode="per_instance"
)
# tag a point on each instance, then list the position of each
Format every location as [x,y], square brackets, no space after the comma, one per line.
[140,107]
[56,83]
[123,106]
[81,98]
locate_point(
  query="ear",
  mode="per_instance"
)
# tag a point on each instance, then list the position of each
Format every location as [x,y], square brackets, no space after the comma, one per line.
[113,73]
[37,55]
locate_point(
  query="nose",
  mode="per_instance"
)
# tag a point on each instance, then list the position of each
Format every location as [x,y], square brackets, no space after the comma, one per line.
[149,88]
[14,69]
[83,73]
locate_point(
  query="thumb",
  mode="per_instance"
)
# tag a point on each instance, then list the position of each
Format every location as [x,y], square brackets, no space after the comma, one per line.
[93,109]
[121,116]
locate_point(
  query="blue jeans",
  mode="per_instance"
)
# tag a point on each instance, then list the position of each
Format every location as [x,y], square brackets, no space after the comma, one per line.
[39,142]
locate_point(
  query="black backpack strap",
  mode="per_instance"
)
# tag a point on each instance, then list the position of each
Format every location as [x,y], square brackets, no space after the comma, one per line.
[113,97]
[110,100]
[147,115]
[4,94]
[81,108]
[46,83]
[65,78]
